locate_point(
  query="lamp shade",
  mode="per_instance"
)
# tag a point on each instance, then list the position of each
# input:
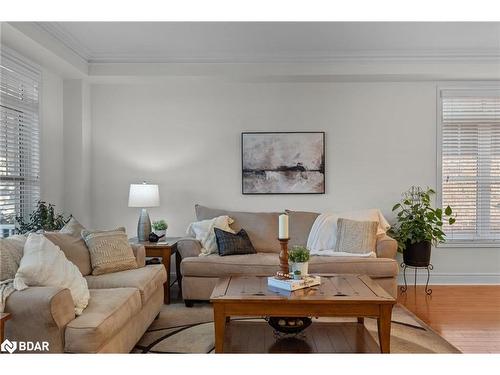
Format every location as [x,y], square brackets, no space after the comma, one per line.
[143,195]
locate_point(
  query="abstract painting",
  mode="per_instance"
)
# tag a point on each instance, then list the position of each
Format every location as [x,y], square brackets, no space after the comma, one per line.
[283,163]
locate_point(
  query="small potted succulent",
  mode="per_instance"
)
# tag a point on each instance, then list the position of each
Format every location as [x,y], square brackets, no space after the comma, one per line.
[298,258]
[160,227]
[419,226]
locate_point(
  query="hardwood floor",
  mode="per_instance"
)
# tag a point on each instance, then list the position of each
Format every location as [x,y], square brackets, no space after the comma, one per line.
[468,316]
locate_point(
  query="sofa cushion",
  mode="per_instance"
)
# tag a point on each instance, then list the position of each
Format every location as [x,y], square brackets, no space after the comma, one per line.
[11,252]
[146,279]
[357,237]
[109,250]
[108,311]
[262,227]
[70,241]
[74,248]
[373,267]
[301,223]
[233,243]
[259,264]
[265,264]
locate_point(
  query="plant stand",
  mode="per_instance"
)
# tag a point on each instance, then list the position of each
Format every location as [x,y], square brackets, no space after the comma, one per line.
[429,268]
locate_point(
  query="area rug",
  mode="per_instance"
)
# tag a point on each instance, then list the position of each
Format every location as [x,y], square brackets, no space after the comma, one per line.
[190,330]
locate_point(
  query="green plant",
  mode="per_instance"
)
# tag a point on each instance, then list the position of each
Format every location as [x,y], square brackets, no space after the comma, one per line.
[298,254]
[160,225]
[43,217]
[417,221]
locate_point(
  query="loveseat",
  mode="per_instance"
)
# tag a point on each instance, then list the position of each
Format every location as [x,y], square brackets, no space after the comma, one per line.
[199,274]
[122,306]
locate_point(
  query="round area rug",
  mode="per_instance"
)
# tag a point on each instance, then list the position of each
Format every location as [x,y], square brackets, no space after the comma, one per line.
[190,330]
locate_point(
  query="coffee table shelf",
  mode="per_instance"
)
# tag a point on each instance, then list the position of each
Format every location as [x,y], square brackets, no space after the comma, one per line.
[338,295]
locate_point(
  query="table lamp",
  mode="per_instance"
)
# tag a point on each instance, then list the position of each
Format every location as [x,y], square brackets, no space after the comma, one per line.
[143,196]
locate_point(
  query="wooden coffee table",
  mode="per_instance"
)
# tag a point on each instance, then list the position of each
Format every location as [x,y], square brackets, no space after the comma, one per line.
[338,295]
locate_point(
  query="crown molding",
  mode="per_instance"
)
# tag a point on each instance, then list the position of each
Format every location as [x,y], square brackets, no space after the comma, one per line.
[342,57]
[65,37]
[59,33]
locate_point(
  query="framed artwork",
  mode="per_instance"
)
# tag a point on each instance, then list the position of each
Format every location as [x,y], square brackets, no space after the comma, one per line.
[283,162]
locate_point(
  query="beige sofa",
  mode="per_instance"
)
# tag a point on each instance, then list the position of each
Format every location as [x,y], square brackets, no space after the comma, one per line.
[122,305]
[200,274]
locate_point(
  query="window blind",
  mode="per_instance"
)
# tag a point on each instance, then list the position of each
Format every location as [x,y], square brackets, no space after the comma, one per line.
[470,156]
[19,140]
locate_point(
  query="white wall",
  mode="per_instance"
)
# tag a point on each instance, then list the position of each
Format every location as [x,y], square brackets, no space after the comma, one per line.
[51,139]
[77,138]
[184,134]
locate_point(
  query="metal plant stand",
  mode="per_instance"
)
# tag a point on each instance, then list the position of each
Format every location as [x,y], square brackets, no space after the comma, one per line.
[429,268]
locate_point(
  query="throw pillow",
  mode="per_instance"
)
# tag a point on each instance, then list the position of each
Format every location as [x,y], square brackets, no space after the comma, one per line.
[233,244]
[203,231]
[11,252]
[70,241]
[358,237]
[109,251]
[44,264]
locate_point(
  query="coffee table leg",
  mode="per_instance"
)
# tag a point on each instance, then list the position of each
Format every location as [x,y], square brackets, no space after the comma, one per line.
[384,328]
[220,327]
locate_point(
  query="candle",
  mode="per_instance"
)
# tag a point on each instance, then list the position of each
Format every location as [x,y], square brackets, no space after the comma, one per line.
[283,227]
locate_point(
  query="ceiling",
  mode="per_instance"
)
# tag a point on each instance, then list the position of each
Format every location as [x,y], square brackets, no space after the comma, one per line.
[115,42]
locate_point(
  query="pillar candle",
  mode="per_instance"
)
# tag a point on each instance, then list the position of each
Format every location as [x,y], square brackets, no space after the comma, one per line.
[283,227]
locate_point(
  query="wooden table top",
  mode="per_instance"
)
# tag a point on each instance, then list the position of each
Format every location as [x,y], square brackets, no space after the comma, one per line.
[165,241]
[333,289]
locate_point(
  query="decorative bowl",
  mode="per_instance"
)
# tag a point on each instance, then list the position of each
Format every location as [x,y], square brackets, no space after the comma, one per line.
[289,325]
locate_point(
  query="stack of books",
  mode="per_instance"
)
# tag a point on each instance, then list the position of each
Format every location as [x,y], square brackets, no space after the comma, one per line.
[292,284]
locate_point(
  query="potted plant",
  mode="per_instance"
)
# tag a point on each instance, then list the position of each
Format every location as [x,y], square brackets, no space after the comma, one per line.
[160,227]
[419,226]
[299,258]
[43,217]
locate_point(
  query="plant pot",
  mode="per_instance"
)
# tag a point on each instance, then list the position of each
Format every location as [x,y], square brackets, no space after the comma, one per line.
[302,267]
[417,254]
[160,233]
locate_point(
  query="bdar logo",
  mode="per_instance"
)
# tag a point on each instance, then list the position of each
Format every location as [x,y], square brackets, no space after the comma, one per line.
[8,346]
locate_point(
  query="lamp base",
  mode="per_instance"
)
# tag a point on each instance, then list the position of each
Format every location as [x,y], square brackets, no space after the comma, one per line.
[143,226]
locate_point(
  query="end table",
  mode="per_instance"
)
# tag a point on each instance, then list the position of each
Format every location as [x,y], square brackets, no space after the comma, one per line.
[3,318]
[164,249]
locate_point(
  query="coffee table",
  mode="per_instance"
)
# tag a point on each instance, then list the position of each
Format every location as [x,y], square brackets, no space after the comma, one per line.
[338,295]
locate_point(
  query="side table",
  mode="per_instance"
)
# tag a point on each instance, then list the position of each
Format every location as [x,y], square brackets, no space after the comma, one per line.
[3,318]
[164,249]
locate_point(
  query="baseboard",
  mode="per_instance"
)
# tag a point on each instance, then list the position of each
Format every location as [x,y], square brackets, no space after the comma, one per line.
[438,278]
[450,278]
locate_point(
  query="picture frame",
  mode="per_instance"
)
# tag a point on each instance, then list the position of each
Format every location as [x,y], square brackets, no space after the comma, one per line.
[283,162]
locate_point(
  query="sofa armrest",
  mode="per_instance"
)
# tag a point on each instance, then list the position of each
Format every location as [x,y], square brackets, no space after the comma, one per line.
[387,247]
[140,254]
[188,247]
[40,314]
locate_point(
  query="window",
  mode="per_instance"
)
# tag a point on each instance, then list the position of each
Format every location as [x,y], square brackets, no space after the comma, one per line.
[19,140]
[470,158]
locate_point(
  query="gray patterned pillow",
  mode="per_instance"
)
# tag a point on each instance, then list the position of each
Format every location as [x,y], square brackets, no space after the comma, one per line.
[357,237]
[233,244]
[109,251]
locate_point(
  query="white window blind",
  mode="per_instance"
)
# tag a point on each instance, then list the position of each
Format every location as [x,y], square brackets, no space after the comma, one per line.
[470,158]
[19,140]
